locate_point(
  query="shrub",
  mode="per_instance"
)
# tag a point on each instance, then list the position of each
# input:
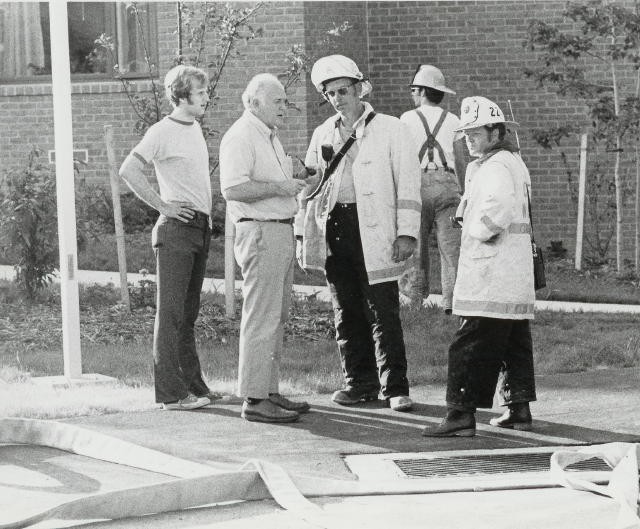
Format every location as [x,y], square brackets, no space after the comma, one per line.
[28,222]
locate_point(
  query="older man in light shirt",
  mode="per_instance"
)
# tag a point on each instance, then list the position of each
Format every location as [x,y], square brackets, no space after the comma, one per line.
[256,179]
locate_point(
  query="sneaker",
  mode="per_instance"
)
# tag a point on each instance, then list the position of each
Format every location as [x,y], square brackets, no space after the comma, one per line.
[400,403]
[284,402]
[267,411]
[214,395]
[348,396]
[190,402]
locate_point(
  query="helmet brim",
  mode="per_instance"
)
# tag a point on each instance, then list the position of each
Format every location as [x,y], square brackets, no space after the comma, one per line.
[439,88]
[469,126]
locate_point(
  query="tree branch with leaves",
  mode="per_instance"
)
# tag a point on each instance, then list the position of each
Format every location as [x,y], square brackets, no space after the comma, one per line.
[605,38]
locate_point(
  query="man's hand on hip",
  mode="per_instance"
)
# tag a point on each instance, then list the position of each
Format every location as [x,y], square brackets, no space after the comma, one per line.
[403,248]
[182,211]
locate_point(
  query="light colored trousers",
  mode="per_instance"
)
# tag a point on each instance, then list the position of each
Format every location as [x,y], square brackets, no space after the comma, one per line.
[265,252]
[440,198]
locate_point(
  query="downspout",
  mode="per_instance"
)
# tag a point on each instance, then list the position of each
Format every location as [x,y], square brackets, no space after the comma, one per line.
[179,13]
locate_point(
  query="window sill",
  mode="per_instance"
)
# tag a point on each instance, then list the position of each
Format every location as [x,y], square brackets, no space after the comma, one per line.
[102,86]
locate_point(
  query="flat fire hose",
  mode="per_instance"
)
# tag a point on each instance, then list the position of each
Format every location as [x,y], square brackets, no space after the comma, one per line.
[623,483]
[198,485]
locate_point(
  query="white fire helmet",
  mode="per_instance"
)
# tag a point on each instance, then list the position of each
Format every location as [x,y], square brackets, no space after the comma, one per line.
[335,67]
[430,77]
[478,111]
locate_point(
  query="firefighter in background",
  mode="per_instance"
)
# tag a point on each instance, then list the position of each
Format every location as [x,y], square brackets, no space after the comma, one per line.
[494,292]
[443,161]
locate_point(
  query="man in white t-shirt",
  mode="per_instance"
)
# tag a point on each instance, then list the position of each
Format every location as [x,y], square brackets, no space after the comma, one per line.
[256,179]
[442,162]
[181,236]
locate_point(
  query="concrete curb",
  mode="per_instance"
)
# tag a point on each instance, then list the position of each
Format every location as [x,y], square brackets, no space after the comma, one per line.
[322,293]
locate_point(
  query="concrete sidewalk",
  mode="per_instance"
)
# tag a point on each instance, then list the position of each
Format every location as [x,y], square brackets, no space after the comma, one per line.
[594,407]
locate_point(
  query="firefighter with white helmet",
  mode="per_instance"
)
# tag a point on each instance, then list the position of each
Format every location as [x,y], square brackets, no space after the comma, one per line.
[494,293]
[360,224]
[442,158]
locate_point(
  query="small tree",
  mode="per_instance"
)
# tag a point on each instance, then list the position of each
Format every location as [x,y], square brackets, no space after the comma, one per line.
[28,223]
[299,59]
[199,25]
[575,63]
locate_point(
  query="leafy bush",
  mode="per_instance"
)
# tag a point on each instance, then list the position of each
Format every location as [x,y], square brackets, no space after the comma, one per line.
[143,294]
[28,223]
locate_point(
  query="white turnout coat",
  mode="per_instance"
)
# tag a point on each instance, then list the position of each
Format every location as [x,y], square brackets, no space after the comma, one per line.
[386,177]
[495,270]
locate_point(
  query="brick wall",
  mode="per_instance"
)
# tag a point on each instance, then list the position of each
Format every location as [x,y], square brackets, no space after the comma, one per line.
[28,108]
[477,44]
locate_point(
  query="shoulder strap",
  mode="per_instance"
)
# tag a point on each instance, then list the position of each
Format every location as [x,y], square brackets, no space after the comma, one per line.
[333,164]
[530,214]
[431,141]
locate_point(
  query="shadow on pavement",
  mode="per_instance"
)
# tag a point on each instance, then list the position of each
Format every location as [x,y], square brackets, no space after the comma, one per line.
[373,427]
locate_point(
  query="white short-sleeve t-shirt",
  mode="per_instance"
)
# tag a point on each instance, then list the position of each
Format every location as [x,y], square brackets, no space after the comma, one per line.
[180,156]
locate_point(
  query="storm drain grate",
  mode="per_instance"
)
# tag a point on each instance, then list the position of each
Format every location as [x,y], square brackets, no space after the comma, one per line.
[453,466]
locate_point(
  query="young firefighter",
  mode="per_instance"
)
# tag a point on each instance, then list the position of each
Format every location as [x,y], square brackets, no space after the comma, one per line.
[494,293]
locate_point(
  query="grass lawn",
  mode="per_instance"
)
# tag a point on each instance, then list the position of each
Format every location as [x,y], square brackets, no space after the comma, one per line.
[119,345]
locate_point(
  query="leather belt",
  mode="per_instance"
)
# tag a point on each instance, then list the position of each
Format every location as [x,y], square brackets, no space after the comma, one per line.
[281,221]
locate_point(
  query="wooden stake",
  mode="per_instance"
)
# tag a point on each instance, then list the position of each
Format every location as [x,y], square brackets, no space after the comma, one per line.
[582,185]
[114,178]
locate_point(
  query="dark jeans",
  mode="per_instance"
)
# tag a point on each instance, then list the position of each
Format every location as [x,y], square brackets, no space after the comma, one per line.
[367,317]
[486,352]
[181,256]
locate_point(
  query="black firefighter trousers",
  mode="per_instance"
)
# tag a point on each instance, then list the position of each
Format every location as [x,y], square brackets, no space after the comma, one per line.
[487,352]
[367,317]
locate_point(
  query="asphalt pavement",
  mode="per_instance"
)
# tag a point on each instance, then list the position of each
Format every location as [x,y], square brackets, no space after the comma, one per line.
[572,410]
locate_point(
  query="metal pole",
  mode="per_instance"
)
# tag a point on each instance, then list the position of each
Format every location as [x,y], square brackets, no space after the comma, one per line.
[65,188]
[114,178]
[582,184]
[229,267]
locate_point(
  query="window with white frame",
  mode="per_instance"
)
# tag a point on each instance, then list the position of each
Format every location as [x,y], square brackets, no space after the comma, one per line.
[129,28]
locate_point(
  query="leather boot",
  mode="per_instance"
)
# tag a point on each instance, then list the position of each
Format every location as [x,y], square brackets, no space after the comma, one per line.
[456,423]
[517,417]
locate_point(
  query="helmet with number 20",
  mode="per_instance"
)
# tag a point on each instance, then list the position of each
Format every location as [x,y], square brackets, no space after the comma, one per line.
[478,111]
